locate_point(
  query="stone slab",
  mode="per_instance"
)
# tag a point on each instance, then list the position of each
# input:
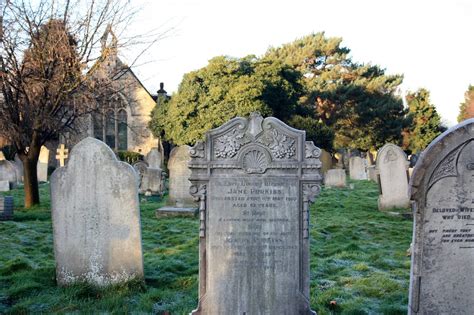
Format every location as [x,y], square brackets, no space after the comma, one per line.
[357,168]
[442,195]
[153,158]
[178,191]
[254,198]
[96,217]
[42,166]
[392,170]
[335,178]
[8,172]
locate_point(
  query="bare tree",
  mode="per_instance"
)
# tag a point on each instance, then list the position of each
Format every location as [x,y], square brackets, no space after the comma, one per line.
[49,56]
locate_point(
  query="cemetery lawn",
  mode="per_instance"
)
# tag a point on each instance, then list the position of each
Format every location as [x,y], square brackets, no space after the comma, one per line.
[358,261]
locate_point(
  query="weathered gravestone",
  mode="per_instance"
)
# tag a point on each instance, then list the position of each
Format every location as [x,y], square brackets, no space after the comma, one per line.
[255,180]
[372,173]
[442,194]
[179,177]
[96,218]
[8,173]
[357,168]
[392,171]
[335,178]
[42,166]
[2,156]
[6,208]
[150,179]
[153,158]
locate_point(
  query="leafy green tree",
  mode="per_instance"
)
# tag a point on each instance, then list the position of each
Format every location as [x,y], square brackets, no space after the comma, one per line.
[226,88]
[466,110]
[359,102]
[425,121]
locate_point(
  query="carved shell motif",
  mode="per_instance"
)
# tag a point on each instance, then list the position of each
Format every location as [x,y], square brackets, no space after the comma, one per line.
[255,162]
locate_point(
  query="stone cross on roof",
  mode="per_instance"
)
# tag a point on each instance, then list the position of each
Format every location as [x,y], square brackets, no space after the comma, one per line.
[62,154]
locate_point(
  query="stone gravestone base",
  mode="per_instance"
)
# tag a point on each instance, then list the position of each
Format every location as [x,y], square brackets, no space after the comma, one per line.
[6,208]
[255,180]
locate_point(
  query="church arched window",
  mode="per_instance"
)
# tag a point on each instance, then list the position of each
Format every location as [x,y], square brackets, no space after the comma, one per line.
[98,122]
[110,130]
[122,129]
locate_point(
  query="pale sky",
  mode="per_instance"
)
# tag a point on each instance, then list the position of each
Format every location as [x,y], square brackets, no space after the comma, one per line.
[430,42]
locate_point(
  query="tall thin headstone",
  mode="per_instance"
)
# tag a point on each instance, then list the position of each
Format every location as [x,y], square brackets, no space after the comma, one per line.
[255,180]
[96,217]
[392,171]
[442,194]
[179,177]
[42,166]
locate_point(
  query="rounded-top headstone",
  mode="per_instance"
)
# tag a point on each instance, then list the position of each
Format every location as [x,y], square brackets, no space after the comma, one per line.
[392,167]
[153,158]
[442,194]
[96,218]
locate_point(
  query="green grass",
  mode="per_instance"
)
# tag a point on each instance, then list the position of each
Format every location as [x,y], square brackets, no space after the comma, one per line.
[357,259]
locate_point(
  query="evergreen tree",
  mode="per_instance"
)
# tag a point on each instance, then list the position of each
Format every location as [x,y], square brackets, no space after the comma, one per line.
[226,88]
[359,102]
[425,121]
[466,110]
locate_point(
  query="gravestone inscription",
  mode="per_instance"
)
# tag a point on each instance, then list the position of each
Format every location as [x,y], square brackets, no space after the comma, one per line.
[442,194]
[96,217]
[255,180]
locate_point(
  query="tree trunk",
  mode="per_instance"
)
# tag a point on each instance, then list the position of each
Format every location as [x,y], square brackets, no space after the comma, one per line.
[30,162]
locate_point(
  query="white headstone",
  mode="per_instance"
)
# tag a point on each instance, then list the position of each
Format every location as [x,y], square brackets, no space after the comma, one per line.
[8,172]
[357,168]
[96,217]
[335,178]
[153,158]
[42,165]
[392,170]
[2,156]
[179,177]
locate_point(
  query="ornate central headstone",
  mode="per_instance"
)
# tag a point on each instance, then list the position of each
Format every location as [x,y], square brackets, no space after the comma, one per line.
[254,180]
